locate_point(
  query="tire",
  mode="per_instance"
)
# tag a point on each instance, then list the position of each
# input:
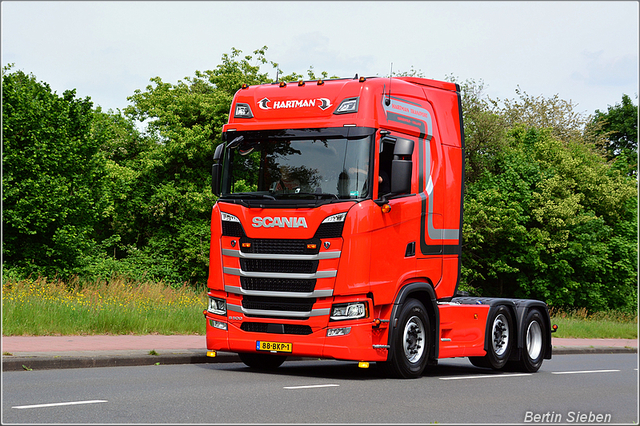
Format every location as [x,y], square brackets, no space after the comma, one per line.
[535,342]
[411,343]
[262,361]
[500,340]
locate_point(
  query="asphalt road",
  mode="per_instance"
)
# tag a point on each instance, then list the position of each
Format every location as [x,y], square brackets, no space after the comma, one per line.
[567,389]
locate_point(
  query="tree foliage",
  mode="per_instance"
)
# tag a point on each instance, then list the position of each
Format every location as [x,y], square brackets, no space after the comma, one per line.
[53,177]
[545,216]
[619,127]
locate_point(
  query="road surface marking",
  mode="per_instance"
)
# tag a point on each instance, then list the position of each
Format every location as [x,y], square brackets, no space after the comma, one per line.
[310,386]
[57,404]
[584,372]
[484,376]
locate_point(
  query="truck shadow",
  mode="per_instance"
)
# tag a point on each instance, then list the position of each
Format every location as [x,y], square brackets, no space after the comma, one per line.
[348,370]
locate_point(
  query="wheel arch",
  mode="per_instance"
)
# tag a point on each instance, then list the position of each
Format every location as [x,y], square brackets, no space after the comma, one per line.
[423,292]
[523,307]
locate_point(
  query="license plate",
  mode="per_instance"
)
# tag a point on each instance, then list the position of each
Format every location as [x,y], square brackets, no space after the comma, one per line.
[274,346]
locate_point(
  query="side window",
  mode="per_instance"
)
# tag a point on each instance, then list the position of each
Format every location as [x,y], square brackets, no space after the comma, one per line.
[384,175]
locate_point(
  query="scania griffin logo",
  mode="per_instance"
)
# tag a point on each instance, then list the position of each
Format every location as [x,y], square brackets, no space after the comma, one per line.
[280,222]
[322,103]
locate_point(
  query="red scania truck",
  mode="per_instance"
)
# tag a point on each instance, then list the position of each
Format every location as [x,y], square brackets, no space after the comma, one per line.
[337,232]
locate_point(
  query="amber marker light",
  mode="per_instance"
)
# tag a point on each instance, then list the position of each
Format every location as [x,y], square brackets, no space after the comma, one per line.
[245,86]
[362,79]
[246,245]
[301,83]
[312,246]
[554,328]
[386,208]
[320,82]
[283,84]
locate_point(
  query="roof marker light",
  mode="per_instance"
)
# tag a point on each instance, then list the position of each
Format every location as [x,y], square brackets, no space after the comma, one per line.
[362,79]
[245,86]
[320,82]
[283,84]
[301,83]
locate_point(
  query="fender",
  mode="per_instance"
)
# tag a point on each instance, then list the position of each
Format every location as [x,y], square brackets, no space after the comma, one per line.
[523,306]
[426,294]
[519,308]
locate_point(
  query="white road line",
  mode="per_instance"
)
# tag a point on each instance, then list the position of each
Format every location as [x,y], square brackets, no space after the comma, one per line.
[584,372]
[485,376]
[310,386]
[57,404]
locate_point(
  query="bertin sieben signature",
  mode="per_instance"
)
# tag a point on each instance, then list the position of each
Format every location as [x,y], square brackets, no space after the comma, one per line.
[569,417]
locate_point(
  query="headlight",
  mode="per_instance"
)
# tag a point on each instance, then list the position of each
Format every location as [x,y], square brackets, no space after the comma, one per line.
[346,311]
[336,218]
[226,217]
[217,306]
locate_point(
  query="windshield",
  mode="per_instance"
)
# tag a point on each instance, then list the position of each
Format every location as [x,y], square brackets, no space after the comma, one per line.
[312,164]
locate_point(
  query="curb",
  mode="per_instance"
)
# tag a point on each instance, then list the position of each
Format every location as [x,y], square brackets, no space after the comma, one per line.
[48,361]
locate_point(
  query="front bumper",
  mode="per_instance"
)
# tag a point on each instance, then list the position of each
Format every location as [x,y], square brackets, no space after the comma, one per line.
[366,341]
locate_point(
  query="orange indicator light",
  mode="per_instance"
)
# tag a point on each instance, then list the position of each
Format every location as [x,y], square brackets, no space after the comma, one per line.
[246,245]
[312,246]
[386,208]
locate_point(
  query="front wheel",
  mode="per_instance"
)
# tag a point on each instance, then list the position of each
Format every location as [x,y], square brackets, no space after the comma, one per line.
[500,341]
[262,361]
[410,348]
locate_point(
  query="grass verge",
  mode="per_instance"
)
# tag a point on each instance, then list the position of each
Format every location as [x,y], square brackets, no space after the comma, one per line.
[48,307]
[598,325]
[119,306]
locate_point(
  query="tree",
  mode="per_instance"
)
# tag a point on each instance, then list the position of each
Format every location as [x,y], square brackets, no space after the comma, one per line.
[619,125]
[53,177]
[545,216]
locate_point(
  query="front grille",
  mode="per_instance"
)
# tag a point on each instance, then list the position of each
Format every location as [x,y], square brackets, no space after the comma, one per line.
[278,284]
[269,246]
[279,265]
[278,304]
[258,327]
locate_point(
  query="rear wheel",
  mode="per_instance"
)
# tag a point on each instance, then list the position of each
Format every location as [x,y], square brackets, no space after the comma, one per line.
[410,349]
[262,361]
[500,341]
[535,342]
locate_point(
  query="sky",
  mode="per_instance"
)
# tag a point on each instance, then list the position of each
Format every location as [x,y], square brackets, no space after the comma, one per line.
[585,52]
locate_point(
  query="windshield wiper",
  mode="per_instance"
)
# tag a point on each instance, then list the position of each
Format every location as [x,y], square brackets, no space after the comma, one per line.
[248,195]
[317,195]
